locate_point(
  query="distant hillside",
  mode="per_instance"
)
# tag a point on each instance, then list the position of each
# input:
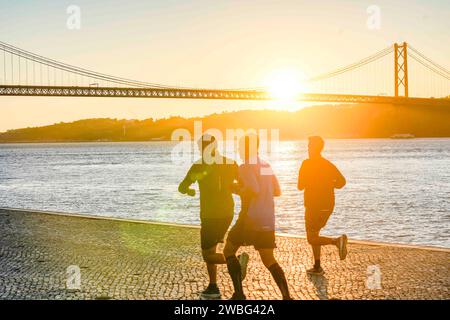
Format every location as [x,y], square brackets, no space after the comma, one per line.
[331,121]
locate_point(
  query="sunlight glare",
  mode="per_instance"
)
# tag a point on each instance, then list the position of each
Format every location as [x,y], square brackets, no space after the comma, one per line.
[285,85]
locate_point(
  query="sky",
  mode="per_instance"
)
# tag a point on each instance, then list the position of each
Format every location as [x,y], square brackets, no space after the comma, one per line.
[216,44]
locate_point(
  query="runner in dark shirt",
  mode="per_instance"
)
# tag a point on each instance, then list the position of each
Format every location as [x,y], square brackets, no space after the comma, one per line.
[215,176]
[319,177]
[215,185]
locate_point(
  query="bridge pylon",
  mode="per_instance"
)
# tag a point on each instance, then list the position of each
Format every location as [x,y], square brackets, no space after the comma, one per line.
[401,68]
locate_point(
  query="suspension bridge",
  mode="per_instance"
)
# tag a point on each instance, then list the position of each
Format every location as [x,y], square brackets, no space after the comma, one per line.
[398,74]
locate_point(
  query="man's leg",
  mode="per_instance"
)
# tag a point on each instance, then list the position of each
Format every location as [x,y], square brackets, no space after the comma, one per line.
[211,267]
[316,252]
[211,256]
[317,241]
[315,220]
[211,233]
[277,272]
[314,239]
[212,291]
[212,272]
[234,269]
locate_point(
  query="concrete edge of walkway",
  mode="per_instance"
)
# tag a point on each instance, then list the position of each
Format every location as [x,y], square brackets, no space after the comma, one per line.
[288,235]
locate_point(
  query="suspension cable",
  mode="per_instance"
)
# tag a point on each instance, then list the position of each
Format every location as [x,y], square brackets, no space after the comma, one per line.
[353,66]
[430,67]
[429,60]
[68,68]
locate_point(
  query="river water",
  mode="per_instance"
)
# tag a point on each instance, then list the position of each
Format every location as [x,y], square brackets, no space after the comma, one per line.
[397,191]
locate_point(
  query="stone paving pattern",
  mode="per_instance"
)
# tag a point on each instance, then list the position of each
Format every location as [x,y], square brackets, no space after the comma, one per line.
[127,260]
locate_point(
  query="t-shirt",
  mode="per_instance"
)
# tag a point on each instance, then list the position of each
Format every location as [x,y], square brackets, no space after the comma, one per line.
[319,177]
[259,186]
[215,184]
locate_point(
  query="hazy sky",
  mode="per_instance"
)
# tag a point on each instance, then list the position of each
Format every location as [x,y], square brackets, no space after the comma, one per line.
[205,44]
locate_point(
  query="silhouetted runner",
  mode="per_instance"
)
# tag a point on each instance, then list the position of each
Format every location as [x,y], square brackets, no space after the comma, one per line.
[215,176]
[319,177]
[256,223]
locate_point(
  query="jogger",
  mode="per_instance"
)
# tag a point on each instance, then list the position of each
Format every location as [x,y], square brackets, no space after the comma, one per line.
[319,177]
[215,176]
[256,223]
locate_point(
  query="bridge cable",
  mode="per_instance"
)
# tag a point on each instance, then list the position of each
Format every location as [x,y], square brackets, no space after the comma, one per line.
[429,60]
[69,68]
[85,72]
[353,66]
[430,67]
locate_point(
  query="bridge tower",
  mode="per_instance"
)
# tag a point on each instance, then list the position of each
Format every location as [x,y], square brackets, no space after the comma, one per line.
[401,68]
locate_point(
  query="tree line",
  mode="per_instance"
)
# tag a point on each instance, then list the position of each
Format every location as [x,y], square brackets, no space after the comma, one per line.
[330,121]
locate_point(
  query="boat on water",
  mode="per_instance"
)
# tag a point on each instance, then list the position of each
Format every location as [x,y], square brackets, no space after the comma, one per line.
[402,136]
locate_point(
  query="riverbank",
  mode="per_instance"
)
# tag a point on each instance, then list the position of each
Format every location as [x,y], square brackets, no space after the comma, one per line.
[331,121]
[121,259]
[168,140]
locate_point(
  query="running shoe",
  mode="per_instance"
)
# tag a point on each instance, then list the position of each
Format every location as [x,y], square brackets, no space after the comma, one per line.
[212,292]
[315,271]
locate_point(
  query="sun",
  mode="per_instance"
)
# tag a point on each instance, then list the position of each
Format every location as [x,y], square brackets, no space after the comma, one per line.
[285,85]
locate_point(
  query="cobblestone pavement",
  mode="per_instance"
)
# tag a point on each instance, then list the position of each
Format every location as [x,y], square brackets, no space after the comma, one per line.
[127,260]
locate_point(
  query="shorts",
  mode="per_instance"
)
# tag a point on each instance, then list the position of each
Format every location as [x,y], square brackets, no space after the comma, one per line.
[316,219]
[241,235]
[213,231]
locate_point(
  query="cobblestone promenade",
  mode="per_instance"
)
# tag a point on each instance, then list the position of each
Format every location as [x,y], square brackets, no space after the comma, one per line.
[127,260]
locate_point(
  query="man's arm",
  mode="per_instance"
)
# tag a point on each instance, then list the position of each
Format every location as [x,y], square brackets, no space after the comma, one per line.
[301,183]
[340,181]
[184,186]
[276,186]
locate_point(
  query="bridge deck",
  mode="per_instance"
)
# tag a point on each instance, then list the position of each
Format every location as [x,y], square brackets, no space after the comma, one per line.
[178,93]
